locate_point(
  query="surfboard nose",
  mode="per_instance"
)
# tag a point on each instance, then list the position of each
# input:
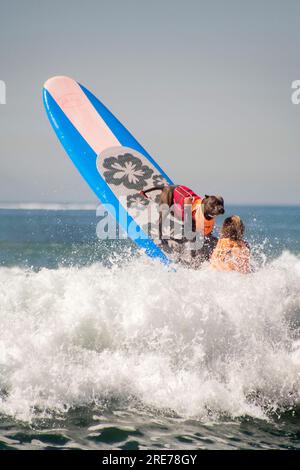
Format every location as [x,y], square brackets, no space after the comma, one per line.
[58,81]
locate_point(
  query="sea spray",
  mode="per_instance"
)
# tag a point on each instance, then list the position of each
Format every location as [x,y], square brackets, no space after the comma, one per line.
[200,344]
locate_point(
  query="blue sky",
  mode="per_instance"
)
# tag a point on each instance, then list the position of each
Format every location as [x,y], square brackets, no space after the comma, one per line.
[205,86]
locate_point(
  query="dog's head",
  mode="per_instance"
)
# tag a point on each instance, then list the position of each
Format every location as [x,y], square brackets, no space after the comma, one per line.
[213,206]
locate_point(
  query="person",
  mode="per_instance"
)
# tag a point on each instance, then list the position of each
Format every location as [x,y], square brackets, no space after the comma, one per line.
[231,253]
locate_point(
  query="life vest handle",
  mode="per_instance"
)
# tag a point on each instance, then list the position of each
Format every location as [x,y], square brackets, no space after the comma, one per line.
[142,193]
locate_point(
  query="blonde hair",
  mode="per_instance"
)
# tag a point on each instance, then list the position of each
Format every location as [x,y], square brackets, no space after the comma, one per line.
[233,228]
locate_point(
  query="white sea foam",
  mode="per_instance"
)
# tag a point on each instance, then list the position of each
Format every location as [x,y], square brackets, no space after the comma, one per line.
[200,343]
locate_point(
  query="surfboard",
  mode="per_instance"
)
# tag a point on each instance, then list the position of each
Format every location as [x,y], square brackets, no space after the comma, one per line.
[109,158]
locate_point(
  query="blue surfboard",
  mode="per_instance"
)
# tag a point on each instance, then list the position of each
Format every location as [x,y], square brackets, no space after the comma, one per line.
[109,158]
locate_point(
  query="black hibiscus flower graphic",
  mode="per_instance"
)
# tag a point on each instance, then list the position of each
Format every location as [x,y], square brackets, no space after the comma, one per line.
[126,170]
[158,180]
[137,201]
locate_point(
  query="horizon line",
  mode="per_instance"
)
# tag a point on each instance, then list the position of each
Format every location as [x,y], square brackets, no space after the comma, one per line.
[88,206]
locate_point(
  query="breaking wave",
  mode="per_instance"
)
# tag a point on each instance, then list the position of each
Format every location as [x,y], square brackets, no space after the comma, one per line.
[199,344]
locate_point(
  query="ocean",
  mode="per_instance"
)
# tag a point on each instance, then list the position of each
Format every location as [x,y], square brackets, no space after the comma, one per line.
[104,348]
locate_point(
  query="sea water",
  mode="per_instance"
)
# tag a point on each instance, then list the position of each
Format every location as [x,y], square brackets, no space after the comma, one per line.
[102,347]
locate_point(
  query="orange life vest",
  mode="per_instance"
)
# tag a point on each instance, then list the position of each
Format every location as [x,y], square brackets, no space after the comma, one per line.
[180,194]
[231,255]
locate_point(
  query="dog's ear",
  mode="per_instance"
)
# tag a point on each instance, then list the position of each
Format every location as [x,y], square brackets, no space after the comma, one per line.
[220,199]
[206,195]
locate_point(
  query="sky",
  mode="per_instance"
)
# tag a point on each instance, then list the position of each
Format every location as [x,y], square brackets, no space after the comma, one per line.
[205,87]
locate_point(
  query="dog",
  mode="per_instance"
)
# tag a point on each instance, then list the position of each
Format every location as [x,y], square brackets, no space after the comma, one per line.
[203,211]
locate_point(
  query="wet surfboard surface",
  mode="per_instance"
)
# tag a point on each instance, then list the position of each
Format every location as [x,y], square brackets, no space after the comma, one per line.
[109,158]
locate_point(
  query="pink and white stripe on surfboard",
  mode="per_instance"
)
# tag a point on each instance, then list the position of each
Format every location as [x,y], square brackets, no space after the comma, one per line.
[82,114]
